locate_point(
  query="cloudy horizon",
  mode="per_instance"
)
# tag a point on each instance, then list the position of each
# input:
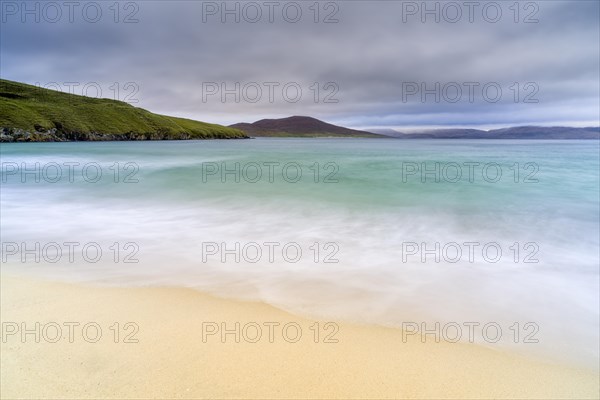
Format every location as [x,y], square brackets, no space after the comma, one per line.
[381,64]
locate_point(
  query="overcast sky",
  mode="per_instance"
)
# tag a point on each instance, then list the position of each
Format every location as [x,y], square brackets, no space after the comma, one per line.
[356,63]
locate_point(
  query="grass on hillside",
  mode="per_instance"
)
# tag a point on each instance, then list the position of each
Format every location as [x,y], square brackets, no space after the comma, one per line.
[32,108]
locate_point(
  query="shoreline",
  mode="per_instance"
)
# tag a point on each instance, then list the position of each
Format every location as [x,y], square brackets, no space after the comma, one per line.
[193,345]
[17,135]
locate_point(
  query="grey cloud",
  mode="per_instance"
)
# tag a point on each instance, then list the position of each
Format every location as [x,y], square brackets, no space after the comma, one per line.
[170,53]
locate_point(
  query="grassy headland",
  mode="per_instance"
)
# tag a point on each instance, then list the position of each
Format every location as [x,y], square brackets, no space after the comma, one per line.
[31,113]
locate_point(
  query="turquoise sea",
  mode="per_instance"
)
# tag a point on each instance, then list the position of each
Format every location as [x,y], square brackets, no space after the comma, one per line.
[374,231]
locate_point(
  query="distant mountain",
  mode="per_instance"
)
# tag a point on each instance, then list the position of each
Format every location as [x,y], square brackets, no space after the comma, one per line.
[33,114]
[517,132]
[552,132]
[386,132]
[299,127]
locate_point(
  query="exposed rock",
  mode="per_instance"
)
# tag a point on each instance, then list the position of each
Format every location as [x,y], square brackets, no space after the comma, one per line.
[55,135]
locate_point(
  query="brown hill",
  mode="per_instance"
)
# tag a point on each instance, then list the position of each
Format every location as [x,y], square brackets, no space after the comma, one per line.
[299,127]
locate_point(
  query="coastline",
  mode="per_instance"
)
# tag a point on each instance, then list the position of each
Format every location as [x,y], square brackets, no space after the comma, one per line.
[16,135]
[176,356]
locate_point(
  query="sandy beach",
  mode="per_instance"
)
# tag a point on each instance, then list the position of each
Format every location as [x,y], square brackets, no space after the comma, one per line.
[173,348]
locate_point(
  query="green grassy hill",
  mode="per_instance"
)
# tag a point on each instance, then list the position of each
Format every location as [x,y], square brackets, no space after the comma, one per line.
[30,113]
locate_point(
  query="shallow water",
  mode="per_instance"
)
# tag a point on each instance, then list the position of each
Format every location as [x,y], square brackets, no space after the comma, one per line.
[358,220]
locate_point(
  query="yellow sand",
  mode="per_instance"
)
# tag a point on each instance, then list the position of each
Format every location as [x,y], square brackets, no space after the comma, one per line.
[172,361]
